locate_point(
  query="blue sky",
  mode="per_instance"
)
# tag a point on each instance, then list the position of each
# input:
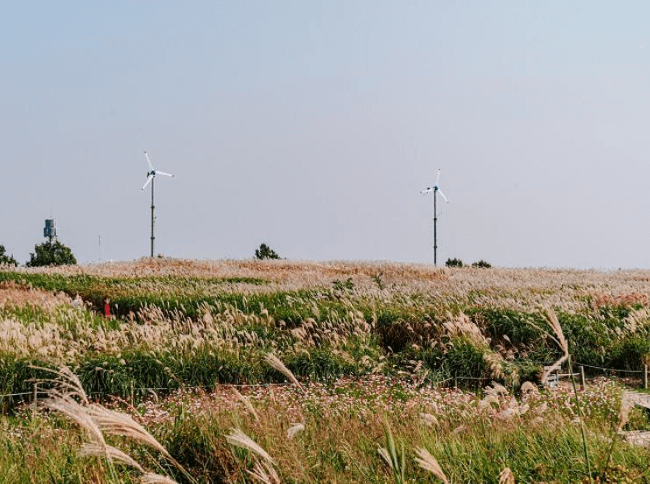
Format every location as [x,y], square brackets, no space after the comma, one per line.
[312,126]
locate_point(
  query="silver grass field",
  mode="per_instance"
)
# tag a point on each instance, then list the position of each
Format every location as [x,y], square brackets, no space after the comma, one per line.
[282,371]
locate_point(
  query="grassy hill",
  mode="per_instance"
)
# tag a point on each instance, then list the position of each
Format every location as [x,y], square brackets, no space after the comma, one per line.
[190,326]
[199,323]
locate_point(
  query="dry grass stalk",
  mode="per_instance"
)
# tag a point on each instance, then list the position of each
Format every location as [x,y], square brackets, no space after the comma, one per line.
[115,423]
[495,363]
[96,419]
[294,429]
[276,364]
[240,439]
[429,463]
[247,403]
[383,452]
[77,413]
[528,388]
[265,472]
[506,476]
[111,453]
[496,390]
[151,478]
[624,411]
[561,341]
[557,330]
[66,383]
[428,419]
[488,401]
[462,325]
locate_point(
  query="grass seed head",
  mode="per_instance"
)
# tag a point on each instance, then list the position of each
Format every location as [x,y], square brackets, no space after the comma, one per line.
[275,363]
[151,478]
[429,463]
[294,429]
[240,439]
[265,472]
[116,423]
[506,476]
[247,403]
[624,411]
[561,341]
[77,413]
[111,453]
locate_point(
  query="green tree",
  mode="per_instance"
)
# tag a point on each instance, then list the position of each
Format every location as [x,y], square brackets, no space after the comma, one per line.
[51,254]
[454,262]
[482,264]
[265,252]
[6,259]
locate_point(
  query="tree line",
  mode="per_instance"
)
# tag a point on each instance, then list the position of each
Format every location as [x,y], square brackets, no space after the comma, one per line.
[50,253]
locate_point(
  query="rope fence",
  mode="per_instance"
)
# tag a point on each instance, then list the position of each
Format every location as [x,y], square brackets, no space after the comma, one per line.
[36,393]
[613,370]
[157,389]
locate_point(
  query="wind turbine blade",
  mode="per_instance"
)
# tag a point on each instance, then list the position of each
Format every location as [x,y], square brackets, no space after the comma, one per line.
[146,155]
[438,177]
[443,195]
[427,190]
[149,178]
[163,173]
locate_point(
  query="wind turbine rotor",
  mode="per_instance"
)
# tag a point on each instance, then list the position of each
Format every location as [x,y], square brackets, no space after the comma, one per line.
[163,173]
[149,178]
[443,195]
[146,155]
[427,190]
[437,178]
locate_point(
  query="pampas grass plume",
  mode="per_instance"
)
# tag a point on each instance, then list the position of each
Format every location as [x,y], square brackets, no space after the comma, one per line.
[276,364]
[240,439]
[151,478]
[506,476]
[429,463]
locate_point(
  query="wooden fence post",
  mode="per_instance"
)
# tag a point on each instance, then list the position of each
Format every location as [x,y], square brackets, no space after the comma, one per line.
[35,400]
[645,376]
[582,377]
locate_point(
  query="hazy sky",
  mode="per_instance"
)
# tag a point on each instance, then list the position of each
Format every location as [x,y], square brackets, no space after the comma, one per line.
[312,126]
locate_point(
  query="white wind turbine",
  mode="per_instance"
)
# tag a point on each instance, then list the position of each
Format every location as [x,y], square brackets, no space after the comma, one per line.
[151,175]
[435,189]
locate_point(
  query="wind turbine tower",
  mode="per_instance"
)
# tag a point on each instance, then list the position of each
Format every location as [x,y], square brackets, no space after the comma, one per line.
[435,189]
[151,176]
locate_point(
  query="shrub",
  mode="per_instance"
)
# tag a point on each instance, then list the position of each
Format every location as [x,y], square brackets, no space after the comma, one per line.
[482,264]
[265,252]
[6,259]
[465,358]
[454,262]
[631,353]
[320,364]
[347,285]
[51,254]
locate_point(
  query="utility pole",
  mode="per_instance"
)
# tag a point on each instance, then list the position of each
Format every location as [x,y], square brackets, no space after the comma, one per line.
[435,227]
[153,179]
[435,189]
[151,176]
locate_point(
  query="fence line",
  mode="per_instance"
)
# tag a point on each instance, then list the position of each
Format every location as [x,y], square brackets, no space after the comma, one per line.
[226,385]
[265,385]
[609,369]
[153,389]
